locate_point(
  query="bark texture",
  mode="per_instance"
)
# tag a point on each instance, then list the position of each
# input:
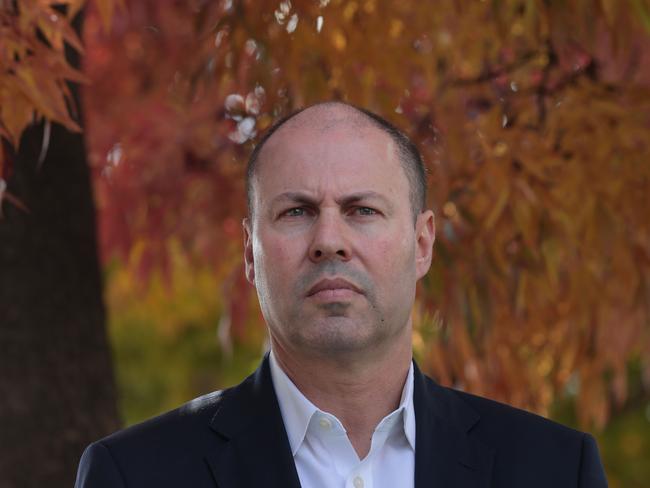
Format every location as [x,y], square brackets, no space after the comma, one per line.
[57,390]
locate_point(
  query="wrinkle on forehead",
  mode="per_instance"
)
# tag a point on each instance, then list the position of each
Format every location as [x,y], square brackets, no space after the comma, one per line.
[291,144]
[306,144]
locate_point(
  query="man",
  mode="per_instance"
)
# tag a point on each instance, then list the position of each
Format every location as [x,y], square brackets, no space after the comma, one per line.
[336,239]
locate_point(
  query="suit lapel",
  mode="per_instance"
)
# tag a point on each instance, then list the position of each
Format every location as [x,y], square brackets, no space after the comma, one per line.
[255,449]
[446,454]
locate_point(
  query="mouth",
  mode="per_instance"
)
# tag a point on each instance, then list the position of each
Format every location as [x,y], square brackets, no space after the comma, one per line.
[333,289]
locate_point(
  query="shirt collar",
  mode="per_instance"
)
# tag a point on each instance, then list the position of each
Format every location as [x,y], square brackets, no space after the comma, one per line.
[297,410]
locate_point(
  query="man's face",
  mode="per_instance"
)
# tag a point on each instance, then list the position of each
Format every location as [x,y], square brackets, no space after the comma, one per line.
[332,248]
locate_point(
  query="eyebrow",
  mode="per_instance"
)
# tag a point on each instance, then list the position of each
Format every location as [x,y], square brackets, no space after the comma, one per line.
[305,198]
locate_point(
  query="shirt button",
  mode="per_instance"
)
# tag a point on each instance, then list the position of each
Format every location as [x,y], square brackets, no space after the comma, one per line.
[325,423]
[358,482]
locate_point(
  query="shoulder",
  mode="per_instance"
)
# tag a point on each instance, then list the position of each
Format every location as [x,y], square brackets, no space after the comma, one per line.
[525,443]
[173,449]
[488,418]
[499,418]
[181,423]
[154,452]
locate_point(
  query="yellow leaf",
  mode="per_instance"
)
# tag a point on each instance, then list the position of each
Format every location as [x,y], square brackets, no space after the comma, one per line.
[46,95]
[349,11]
[396,28]
[498,208]
[338,39]
[107,10]
[74,6]
[16,112]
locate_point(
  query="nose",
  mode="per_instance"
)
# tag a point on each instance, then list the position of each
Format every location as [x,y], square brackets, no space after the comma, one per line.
[329,238]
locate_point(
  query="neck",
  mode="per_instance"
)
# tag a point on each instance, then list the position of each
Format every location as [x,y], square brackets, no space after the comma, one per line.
[360,393]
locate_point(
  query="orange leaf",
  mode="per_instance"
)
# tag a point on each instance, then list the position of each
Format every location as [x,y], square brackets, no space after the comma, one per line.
[16,112]
[57,29]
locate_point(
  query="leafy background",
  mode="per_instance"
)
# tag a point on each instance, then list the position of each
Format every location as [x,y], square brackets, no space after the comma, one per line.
[533,117]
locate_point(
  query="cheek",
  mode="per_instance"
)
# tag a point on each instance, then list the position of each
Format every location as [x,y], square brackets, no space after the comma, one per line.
[275,259]
[393,264]
[397,252]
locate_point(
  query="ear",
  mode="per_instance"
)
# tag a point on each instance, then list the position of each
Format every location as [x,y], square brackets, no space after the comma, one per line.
[249,264]
[425,235]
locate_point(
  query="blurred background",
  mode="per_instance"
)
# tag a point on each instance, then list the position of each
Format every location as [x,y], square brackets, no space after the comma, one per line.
[126,125]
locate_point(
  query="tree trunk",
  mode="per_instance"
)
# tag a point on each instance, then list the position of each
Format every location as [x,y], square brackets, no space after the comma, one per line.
[56,382]
[57,389]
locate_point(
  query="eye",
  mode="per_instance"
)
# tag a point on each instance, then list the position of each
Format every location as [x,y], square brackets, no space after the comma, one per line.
[293,212]
[365,211]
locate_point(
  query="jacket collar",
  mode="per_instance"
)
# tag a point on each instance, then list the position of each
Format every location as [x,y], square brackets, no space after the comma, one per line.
[256,451]
[255,448]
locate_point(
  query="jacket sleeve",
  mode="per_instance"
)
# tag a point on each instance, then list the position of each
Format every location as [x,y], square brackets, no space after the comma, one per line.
[97,469]
[592,474]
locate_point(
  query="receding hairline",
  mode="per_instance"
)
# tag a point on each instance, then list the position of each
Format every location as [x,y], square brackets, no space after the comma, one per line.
[325,116]
[329,114]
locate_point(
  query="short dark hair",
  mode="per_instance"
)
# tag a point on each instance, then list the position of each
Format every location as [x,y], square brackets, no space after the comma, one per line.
[407,151]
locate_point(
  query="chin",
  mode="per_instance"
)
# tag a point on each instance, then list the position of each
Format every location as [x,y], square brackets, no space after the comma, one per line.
[342,336]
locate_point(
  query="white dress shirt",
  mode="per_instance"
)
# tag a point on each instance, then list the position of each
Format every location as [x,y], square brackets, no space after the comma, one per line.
[324,455]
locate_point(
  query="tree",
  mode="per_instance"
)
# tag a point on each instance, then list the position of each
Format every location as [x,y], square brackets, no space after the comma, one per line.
[533,117]
[55,373]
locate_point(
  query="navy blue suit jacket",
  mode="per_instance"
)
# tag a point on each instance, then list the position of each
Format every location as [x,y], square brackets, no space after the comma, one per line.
[236,438]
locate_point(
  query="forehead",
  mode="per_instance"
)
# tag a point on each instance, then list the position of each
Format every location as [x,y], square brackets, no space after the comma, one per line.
[329,153]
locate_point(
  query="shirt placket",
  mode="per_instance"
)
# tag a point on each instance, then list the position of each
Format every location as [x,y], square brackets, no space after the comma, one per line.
[361,475]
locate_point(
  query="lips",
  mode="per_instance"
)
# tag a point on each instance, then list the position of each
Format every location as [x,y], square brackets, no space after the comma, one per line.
[332,284]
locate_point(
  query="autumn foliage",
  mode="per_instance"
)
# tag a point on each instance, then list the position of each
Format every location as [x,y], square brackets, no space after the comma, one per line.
[533,118]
